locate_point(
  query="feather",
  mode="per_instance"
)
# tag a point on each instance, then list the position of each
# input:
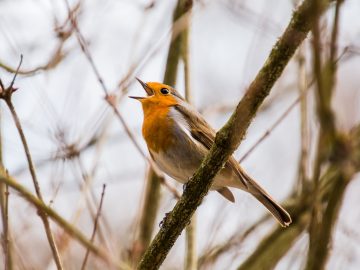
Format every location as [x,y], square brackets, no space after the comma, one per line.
[202,132]
[226,192]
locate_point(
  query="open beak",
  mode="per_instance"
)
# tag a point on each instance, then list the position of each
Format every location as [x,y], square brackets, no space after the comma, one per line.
[147,89]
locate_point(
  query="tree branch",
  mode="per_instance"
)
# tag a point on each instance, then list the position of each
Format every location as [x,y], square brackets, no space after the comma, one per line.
[69,228]
[332,187]
[229,137]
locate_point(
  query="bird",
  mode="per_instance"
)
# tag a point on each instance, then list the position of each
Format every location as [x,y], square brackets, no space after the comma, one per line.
[178,138]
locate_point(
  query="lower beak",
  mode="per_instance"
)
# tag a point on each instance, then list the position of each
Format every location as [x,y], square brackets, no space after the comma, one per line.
[138,98]
[148,90]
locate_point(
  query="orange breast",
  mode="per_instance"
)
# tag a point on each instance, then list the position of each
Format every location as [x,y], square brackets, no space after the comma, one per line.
[157,128]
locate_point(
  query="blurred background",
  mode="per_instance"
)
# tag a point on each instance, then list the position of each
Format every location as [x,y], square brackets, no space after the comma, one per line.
[78,144]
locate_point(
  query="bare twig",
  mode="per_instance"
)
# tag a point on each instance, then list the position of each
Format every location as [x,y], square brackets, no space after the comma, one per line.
[95,227]
[302,87]
[4,204]
[6,234]
[214,253]
[69,228]
[326,132]
[109,98]
[190,231]
[305,86]
[63,34]
[332,149]
[91,205]
[272,127]
[54,60]
[6,95]
[273,247]
[332,185]
[180,23]
[191,249]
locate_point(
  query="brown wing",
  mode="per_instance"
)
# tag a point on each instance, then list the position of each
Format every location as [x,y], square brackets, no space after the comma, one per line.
[205,134]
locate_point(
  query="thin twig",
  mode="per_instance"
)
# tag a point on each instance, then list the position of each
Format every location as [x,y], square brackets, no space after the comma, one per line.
[109,98]
[66,226]
[43,216]
[95,227]
[214,253]
[301,98]
[272,127]
[85,187]
[190,231]
[326,132]
[304,153]
[331,150]
[56,57]
[6,235]
[6,95]
[191,249]
[4,204]
[54,60]
[16,73]
[178,26]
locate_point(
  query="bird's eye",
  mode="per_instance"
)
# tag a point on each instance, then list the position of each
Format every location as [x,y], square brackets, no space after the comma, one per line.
[164,91]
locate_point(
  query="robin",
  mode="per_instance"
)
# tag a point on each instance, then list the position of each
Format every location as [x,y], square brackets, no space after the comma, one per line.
[178,139]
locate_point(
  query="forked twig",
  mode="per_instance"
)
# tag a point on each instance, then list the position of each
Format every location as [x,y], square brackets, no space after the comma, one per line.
[6,94]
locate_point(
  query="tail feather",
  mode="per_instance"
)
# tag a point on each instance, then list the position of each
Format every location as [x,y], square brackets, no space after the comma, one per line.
[226,192]
[262,196]
[275,209]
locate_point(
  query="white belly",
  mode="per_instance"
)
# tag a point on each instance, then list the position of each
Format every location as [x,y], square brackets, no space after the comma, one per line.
[172,168]
[182,171]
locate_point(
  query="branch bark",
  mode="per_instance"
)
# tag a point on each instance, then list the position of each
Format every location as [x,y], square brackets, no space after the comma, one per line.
[229,137]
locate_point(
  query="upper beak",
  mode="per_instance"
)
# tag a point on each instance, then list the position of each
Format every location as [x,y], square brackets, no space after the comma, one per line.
[147,89]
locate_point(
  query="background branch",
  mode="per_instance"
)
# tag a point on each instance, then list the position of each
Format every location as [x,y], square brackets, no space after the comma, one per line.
[69,228]
[6,95]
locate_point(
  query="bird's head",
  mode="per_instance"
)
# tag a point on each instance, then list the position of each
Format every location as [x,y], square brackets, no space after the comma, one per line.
[158,95]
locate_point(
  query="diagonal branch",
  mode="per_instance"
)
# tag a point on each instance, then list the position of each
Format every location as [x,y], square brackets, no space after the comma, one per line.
[229,137]
[66,226]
